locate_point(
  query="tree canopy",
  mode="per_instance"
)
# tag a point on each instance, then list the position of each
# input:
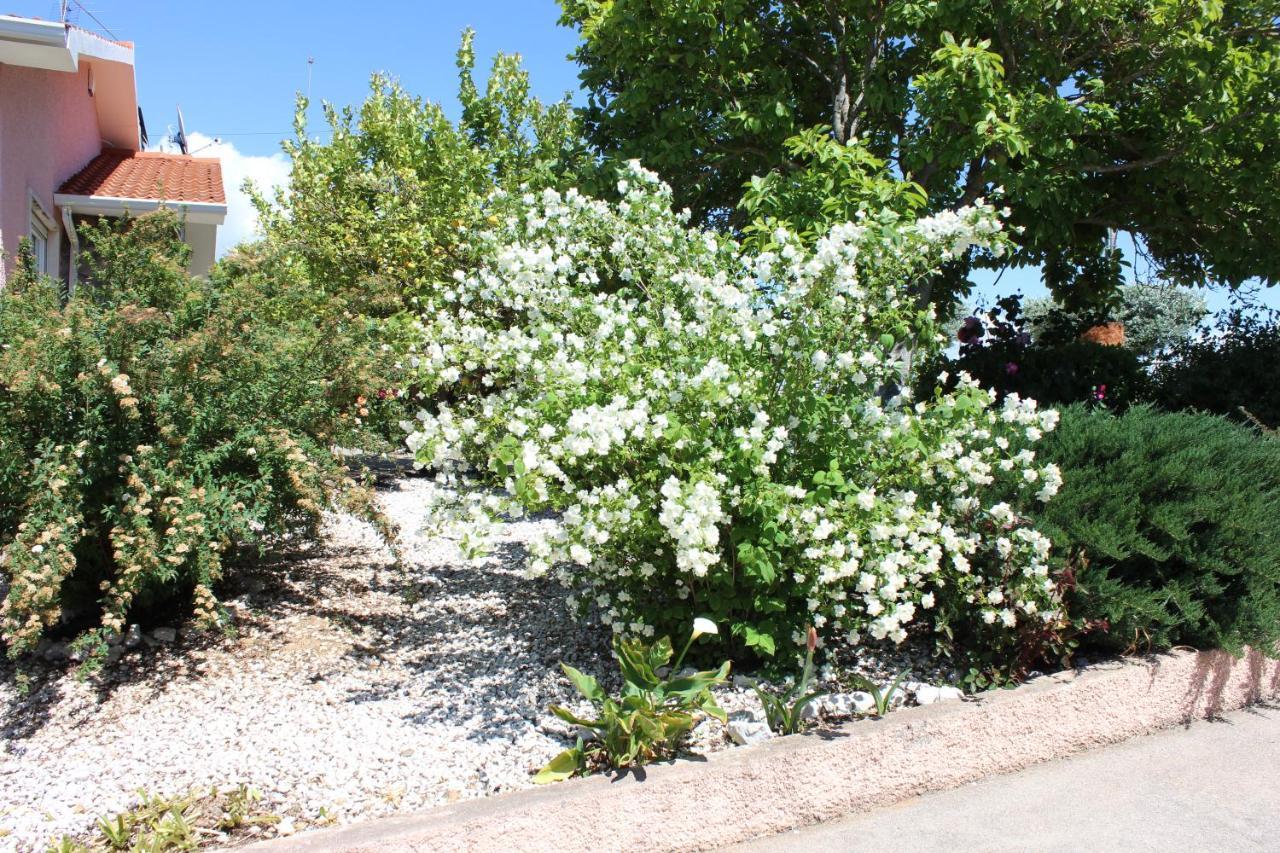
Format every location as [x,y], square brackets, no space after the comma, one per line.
[1156,118]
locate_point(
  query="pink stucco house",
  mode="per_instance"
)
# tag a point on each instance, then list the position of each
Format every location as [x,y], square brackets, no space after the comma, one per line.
[71,148]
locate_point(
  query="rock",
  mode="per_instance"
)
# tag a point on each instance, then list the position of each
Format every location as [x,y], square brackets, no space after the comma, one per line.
[286,826]
[844,704]
[745,729]
[948,693]
[164,635]
[114,653]
[132,636]
[54,652]
[863,702]
[927,694]
[238,609]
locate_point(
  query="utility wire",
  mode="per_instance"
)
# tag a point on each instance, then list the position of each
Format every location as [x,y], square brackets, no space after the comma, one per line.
[95,18]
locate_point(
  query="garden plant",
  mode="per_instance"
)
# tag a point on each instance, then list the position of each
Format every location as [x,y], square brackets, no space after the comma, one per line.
[1166,522]
[730,432]
[154,425]
[654,712]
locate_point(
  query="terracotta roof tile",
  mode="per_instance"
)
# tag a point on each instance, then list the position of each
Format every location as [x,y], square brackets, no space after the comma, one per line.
[117,173]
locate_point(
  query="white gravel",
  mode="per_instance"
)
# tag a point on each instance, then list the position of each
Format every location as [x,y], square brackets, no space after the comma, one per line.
[349,690]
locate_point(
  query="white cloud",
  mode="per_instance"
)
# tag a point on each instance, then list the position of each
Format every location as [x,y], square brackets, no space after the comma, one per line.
[266,172]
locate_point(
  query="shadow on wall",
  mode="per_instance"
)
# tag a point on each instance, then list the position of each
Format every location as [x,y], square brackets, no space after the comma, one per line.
[1211,682]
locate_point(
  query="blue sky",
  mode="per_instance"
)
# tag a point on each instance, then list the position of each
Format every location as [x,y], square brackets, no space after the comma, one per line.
[236,66]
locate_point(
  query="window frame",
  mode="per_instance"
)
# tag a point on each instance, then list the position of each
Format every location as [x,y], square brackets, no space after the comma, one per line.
[40,223]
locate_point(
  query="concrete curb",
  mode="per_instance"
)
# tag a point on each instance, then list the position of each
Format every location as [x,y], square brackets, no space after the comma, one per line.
[792,782]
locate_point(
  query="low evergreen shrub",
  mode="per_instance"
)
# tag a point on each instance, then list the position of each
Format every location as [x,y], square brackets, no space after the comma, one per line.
[1168,522]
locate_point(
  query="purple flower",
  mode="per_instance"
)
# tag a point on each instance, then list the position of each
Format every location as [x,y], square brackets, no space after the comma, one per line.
[1011,368]
[970,331]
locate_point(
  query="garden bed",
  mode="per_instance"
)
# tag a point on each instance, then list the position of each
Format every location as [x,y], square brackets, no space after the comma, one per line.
[792,782]
[348,689]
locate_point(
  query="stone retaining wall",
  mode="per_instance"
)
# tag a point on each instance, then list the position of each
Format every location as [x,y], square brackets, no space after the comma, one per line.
[795,781]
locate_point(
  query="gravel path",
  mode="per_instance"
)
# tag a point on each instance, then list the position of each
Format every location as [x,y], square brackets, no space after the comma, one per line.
[350,689]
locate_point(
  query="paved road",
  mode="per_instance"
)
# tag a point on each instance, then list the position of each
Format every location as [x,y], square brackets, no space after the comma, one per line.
[1206,788]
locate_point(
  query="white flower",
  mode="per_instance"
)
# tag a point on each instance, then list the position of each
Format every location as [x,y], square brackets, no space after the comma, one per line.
[702,626]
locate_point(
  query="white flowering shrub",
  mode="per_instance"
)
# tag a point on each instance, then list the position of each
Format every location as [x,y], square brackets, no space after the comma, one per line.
[720,431]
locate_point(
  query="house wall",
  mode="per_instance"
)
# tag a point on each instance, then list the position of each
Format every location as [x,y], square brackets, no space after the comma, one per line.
[202,238]
[48,132]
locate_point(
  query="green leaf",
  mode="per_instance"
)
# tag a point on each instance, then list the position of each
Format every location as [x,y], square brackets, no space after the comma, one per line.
[762,642]
[562,767]
[569,717]
[586,684]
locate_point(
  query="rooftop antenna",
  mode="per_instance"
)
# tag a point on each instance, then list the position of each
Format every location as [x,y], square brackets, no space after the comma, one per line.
[181,137]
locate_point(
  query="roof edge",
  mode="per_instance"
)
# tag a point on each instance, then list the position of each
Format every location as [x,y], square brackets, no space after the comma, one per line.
[33,31]
[200,212]
[56,46]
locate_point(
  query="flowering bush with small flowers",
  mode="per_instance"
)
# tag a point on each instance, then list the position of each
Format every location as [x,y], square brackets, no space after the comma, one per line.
[730,432]
[148,427]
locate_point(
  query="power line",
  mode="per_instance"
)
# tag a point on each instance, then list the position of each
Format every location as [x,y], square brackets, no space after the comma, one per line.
[95,18]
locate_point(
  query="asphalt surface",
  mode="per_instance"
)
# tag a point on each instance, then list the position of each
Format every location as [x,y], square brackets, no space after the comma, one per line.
[1206,787]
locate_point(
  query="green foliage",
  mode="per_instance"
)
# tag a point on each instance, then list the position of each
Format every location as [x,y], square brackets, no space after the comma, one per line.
[785,711]
[161,824]
[1168,521]
[650,717]
[382,205]
[1156,318]
[154,423]
[1156,117]
[1225,371]
[830,183]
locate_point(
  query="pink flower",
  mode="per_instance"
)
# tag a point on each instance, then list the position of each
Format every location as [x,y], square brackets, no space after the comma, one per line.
[1011,368]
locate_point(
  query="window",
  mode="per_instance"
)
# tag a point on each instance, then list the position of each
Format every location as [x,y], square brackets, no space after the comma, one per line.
[42,237]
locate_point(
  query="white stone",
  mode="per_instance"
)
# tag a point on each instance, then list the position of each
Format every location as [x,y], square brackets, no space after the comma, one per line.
[863,702]
[745,730]
[927,694]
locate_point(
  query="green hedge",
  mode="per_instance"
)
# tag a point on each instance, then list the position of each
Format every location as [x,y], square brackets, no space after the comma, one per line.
[1170,523]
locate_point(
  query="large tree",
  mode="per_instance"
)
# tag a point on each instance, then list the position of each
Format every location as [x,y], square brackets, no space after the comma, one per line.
[1154,118]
